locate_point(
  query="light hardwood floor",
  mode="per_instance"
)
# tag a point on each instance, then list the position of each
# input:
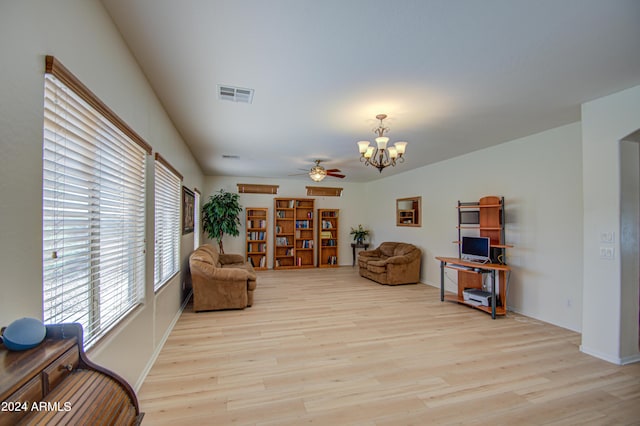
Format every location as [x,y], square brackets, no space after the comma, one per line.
[330,348]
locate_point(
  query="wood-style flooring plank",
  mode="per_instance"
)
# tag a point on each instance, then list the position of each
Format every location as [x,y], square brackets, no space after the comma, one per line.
[326,346]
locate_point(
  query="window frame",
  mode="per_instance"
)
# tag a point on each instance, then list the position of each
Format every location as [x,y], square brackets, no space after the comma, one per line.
[166,219]
[88,198]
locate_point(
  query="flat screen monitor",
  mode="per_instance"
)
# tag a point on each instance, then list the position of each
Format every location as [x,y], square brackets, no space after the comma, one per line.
[476,248]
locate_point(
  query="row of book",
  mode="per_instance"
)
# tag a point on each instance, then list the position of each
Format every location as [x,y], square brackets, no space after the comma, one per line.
[256,235]
[257,247]
[303,224]
[326,224]
[257,223]
[332,260]
[282,241]
[261,264]
[307,244]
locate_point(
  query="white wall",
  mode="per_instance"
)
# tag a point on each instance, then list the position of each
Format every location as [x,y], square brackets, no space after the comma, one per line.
[540,177]
[352,205]
[605,122]
[82,36]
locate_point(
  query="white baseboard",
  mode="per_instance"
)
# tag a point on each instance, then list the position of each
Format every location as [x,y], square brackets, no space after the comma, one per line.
[159,347]
[612,359]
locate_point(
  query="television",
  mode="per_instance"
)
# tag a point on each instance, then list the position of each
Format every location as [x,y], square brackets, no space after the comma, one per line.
[476,249]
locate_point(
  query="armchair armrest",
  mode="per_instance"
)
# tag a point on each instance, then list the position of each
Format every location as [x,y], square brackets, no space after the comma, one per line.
[232,274]
[369,253]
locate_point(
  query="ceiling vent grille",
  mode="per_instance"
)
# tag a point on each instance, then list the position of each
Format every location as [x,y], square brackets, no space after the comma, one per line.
[235,94]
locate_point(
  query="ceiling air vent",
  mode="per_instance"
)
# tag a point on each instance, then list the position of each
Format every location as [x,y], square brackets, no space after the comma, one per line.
[235,94]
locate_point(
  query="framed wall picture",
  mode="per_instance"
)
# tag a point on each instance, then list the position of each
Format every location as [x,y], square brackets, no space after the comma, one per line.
[188,210]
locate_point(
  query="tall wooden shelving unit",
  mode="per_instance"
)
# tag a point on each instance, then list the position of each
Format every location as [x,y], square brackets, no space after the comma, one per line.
[256,250]
[294,227]
[490,223]
[328,238]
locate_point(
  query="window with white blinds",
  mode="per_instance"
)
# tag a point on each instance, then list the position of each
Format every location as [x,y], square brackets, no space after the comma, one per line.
[93,211]
[196,219]
[168,185]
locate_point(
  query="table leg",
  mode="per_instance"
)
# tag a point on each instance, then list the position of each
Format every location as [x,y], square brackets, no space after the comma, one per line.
[354,256]
[493,293]
[442,281]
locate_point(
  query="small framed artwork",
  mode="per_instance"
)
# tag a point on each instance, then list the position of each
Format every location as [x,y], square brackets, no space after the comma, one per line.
[188,210]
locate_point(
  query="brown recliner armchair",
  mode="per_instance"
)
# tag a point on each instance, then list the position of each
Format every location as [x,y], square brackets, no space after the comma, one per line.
[220,281]
[391,263]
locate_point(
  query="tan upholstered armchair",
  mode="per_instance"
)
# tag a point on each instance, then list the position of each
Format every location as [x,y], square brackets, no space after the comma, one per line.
[220,281]
[391,263]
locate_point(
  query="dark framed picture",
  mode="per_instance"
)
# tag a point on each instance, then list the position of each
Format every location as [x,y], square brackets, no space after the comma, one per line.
[188,210]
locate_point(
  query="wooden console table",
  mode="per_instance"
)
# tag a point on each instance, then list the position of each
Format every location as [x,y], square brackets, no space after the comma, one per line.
[477,268]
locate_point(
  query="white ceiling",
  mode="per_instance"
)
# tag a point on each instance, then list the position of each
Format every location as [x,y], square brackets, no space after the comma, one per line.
[454,76]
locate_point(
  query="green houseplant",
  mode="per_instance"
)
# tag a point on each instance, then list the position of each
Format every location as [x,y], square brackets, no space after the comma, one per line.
[359,234]
[220,216]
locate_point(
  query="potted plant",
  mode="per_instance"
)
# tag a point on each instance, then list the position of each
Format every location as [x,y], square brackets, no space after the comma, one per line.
[359,234]
[220,216]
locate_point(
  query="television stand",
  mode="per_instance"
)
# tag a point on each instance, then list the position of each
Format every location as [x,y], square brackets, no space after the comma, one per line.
[476,268]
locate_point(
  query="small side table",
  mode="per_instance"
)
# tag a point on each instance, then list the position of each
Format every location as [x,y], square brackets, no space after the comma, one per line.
[355,246]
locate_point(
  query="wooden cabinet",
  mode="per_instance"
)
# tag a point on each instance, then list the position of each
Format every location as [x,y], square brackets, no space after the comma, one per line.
[256,250]
[55,383]
[328,238]
[294,227]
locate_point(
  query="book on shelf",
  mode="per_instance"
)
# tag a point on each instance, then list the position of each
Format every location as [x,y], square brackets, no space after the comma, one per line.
[326,234]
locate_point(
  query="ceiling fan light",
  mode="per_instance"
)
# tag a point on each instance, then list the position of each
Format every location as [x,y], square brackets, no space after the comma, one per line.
[400,147]
[382,142]
[317,173]
[362,146]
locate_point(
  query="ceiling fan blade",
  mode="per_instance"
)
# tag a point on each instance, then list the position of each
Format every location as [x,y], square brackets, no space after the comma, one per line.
[336,175]
[298,174]
[333,170]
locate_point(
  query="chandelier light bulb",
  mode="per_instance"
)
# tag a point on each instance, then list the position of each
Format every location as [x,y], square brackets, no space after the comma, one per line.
[362,146]
[393,153]
[400,147]
[369,152]
[382,142]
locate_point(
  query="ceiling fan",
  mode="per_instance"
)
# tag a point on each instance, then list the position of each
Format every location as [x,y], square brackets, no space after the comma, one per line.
[317,173]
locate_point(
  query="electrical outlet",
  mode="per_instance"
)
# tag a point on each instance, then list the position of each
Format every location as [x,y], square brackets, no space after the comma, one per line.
[607,237]
[606,253]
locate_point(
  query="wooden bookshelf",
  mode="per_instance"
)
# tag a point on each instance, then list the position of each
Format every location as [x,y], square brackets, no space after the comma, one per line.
[294,227]
[328,238]
[256,249]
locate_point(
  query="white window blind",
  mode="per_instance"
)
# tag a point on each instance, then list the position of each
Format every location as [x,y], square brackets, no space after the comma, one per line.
[168,185]
[196,219]
[93,214]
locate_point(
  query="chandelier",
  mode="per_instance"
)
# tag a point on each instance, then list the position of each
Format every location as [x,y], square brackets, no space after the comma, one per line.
[379,155]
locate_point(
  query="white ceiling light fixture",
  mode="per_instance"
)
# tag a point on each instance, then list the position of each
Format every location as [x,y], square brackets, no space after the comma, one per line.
[317,172]
[379,155]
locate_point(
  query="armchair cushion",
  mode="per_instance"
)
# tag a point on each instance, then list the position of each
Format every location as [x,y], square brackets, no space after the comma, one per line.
[391,263]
